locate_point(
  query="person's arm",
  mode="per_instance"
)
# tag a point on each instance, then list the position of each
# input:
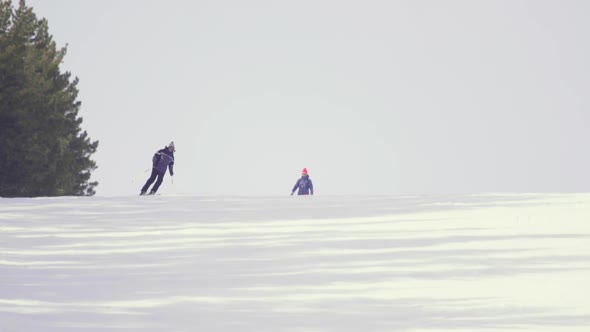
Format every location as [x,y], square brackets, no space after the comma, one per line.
[311,186]
[295,187]
[171,168]
[156,158]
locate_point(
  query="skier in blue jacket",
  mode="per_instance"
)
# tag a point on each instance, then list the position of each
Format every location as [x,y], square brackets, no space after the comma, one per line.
[304,184]
[162,160]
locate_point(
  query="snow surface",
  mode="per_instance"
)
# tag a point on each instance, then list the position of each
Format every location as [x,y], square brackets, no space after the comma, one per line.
[217,263]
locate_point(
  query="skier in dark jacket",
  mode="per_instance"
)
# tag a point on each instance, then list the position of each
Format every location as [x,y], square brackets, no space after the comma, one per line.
[304,184]
[162,160]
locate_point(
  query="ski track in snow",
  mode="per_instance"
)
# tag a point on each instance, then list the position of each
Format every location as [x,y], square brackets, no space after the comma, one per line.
[493,262]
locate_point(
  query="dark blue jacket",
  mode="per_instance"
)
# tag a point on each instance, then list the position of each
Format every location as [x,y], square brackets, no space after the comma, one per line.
[164,159]
[304,185]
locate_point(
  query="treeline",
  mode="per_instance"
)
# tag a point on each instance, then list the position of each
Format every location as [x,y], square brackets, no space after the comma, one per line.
[43,150]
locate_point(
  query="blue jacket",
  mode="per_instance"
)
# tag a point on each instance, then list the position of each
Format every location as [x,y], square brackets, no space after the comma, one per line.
[304,185]
[164,159]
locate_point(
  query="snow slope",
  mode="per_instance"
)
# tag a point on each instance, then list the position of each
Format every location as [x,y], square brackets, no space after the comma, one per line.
[219,263]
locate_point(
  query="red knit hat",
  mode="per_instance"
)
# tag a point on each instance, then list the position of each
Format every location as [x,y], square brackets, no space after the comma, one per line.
[304,171]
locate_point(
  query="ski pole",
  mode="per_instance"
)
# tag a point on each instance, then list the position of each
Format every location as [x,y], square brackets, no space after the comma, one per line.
[138,175]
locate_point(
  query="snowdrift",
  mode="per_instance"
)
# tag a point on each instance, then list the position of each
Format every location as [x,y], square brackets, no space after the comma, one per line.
[342,263]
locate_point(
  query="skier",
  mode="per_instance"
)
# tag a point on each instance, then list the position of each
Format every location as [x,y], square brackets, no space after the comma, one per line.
[304,184]
[161,160]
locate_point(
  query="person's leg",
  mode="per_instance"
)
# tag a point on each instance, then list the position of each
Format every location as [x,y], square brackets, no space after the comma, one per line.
[149,181]
[158,183]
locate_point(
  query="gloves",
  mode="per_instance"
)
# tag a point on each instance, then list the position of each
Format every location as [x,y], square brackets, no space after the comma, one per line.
[292,193]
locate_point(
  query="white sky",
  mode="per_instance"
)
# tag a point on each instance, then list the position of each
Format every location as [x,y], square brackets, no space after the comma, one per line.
[373,97]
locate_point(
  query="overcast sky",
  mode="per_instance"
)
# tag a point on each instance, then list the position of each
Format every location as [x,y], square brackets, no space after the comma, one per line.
[373,97]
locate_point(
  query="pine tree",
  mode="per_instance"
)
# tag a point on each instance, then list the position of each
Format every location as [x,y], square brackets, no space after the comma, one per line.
[43,150]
